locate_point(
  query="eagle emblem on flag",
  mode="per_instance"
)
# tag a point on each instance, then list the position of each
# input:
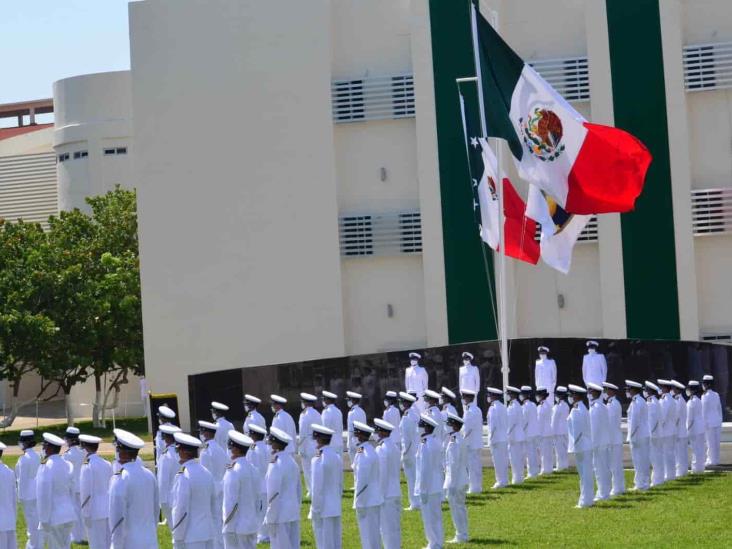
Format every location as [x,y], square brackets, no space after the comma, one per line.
[542,133]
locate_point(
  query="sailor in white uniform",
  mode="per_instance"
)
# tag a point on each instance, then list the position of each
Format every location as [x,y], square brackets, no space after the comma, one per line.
[391,509]
[456,477]
[432,401]
[166,416]
[283,421]
[240,481]
[8,504]
[259,455]
[96,473]
[447,403]
[214,459]
[355,413]
[75,456]
[580,443]
[695,426]
[327,474]
[516,434]
[668,435]
[469,375]
[305,442]
[473,433]
[600,431]
[545,371]
[638,434]
[546,436]
[55,494]
[166,470]
[26,470]
[218,413]
[712,411]
[367,494]
[656,428]
[430,481]
[284,493]
[531,431]
[615,448]
[682,433]
[332,418]
[498,436]
[253,417]
[594,365]
[416,379]
[133,498]
[391,415]
[410,443]
[560,413]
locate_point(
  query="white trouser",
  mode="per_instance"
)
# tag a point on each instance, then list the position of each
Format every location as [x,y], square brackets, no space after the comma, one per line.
[390,523]
[713,435]
[697,453]
[240,541]
[167,511]
[656,456]
[583,461]
[499,452]
[431,510]
[193,544]
[546,450]
[59,536]
[7,540]
[560,451]
[641,463]
[35,536]
[601,465]
[261,509]
[682,457]
[516,456]
[458,512]
[284,535]
[218,521]
[327,532]
[475,471]
[368,526]
[97,532]
[615,454]
[410,472]
[78,534]
[669,457]
[306,459]
[532,456]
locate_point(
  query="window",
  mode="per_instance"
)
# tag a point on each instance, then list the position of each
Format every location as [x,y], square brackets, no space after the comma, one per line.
[80,154]
[63,157]
[121,150]
[110,152]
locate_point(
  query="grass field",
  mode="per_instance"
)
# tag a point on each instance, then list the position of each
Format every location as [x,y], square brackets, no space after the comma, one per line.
[693,511]
[136,425]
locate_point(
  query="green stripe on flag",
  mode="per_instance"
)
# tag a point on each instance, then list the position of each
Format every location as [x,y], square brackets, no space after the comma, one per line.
[639,102]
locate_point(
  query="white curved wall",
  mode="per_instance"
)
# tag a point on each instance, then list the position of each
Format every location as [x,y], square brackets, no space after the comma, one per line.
[93,116]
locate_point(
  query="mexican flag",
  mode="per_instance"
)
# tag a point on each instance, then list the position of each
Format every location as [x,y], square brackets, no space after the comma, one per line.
[586,168]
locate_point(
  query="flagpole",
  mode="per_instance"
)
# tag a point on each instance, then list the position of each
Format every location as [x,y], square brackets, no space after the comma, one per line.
[502,335]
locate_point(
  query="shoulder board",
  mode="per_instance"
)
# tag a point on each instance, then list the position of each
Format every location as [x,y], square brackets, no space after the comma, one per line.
[319,453]
[360,450]
[230,466]
[181,470]
[118,473]
[86,460]
[43,461]
[424,440]
[273,460]
[453,438]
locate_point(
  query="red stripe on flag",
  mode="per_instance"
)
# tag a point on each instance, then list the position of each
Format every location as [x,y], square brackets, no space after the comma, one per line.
[609,172]
[519,230]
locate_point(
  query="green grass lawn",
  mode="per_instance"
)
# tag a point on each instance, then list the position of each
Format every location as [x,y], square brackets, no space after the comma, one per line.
[137,425]
[693,511]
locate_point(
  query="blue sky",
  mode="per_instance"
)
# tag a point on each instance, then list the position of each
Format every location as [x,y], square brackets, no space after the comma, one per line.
[42,41]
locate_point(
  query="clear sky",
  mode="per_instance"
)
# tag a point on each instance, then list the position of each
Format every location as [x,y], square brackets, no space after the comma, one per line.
[42,41]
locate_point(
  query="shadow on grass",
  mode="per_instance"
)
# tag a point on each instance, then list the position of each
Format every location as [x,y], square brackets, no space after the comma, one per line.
[490,541]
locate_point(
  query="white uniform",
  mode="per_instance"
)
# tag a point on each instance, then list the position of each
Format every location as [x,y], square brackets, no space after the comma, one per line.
[516,441]
[545,374]
[8,507]
[240,523]
[391,509]
[615,448]
[473,433]
[159,442]
[656,427]
[194,507]
[283,420]
[668,435]
[214,458]
[367,495]
[392,415]
[96,473]
[546,436]
[75,456]
[167,467]
[429,489]
[531,430]
[325,507]
[594,368]
[498,441]
[284,496]
[696,428]
[259,456]
[560,412]
[26,470]
[712,411]
[133,508]
[55,497]
[456,483]
[682,437]
[639,439]
[469,378]
[222,431]
[416,380]
[356,413]
[580,444]
[332,418]
[439,433]
[600,432]
[410,443]
[253,418]
[306,443]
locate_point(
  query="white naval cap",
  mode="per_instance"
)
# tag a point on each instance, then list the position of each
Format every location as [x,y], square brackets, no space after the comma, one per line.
[218,406]
[354,394]
[678,384]
[280,435]
[254,428]
[328,394]
[184,439]
[634,384]
[414,354]
[278,399]
[407,397]
[322,429]
[2,446]
[560,389]
[592,343]
[207,425]
[610,386]
[594,387]
[468,392]
[576,389]
[663,382]
[526,388]
[652,386]
[428,420]
[429,393]
[466,354]
[512,389]
[26,433]
[359,426]
[166,412]
[169,429]
[494,390]
[307,397]
[454,417]
[89,439]
[240,439]
[391,394]
[448,392]
[542,390]
[543,349]
[252,399]
[127,439]
[707,377]
[383,425]
[693,383]
[73,431]
[53,439]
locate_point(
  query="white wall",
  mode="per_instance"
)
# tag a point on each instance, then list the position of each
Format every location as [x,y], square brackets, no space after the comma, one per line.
[713,269]
[710,136]
[39,141]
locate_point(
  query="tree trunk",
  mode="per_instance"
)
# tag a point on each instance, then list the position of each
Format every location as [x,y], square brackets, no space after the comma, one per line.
[97,417]
[8,420]
[67,402]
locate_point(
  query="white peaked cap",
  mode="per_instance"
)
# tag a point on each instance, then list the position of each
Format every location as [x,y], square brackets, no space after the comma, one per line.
[610,386]
[125,438]
[708,378]
[307,397]
[432,394]
[560,389]
[543,348]
[383,425]
[27,433]
[73,431]
[391,394]
[448,392]
[414,354]
[467,354]
[53,439]
[240,439]
[653,386]
[592,342]
[693,383]
[166,412]
[468,392]
[635,384]
[252,398]
[218,406]
[184,439]
[322,429]
[90,439]
[663,382]
[454,417]
[353,394]
[280,435]
[208,425]
[428,419]
[328,394]
[407,397]
[576,389]
[594,387]
[526,388]
[2,446]
[278,399]
[253,427]
[359,426]
[512,389]
[678,384]
[169,429]
[494,390]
